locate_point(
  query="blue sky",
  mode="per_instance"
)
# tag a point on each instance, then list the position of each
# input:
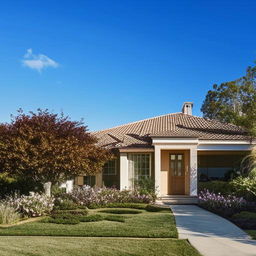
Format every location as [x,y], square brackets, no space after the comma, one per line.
[113,62]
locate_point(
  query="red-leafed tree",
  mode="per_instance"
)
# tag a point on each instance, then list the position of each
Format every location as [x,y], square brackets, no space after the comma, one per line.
[48,148]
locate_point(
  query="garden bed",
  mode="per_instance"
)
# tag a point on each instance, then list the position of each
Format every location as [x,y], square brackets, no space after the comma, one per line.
[160,224]
[235,209]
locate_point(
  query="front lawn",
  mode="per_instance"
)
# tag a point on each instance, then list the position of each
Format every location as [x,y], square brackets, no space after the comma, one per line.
[145,224]
[76,246]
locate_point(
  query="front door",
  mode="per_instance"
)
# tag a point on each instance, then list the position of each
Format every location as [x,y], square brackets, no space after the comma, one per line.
[177,174]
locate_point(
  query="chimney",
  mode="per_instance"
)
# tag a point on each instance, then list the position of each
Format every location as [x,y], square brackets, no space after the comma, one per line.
[187,108]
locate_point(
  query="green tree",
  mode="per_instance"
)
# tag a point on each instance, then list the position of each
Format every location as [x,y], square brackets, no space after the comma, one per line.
[48,148]
[234,102]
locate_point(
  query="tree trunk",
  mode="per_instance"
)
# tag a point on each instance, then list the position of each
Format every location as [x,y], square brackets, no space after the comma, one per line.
[47,188]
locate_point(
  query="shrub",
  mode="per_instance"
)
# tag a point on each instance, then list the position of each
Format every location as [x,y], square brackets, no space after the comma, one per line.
[68,221]
[223,205]
[126,205]
[245,186]
[250,216]
[240,187]
[115,218]
[146,186]
[10,185]
[154,208]
[72,212]
[121,211]
[91,218]
[216,187]
[245,220]
[65,204]
[8,214]
[33,205]
[63,216]
[95,197]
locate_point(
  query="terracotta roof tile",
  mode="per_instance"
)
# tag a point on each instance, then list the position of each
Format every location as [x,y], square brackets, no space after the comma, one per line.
[138,134]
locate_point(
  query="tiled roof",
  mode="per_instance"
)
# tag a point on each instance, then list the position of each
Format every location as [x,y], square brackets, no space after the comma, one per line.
[138,134]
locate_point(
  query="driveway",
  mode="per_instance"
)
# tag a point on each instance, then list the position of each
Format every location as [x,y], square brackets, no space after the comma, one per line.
[211,234]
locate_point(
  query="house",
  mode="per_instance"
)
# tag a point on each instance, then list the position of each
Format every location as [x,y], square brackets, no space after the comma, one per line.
[175,150]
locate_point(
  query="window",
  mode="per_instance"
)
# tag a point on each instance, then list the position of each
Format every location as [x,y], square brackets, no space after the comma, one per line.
[90,181]
[216,166]
[177,167]
[110,167]
[139,167]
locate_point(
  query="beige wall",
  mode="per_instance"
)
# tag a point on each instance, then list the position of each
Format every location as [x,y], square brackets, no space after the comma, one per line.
[79,180]
[165,169]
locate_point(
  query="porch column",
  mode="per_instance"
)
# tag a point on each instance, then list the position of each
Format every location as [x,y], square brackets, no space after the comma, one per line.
[69,186]
[124,178]
[157,170]
[193,171]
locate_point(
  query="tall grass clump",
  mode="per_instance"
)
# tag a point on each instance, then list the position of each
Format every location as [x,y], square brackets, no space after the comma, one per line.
[8,214]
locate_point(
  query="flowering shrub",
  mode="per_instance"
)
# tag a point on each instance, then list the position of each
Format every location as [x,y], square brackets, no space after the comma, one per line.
[223,205]
[33,205]
[88,196]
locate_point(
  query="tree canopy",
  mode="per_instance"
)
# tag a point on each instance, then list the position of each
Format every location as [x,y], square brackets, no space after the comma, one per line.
[234,101]
[47,147]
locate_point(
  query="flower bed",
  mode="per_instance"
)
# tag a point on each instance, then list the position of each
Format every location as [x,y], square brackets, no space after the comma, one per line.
[223,205]
[34,205]
[91,197]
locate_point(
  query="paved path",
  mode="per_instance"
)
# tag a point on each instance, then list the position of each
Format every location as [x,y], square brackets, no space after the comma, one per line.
[211,234]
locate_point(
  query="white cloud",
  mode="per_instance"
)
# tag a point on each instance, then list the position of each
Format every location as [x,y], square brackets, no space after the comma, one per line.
[38,61]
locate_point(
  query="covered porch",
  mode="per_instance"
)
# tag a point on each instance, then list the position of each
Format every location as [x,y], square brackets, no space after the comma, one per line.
[176,168]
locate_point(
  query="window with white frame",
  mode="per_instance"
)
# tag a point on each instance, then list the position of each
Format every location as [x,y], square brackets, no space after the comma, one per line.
[110,167]
[139,167]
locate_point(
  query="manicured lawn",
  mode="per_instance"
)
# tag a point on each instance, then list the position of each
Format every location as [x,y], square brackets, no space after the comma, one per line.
[252,233]
[146,224]
[77,246]
[141,233]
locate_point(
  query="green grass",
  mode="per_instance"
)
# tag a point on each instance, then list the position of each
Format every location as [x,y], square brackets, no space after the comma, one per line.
[76,246]
[145,224]
[252,233]
[115,218]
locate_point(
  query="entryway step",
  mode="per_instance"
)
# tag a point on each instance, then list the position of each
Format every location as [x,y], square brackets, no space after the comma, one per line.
[172,200]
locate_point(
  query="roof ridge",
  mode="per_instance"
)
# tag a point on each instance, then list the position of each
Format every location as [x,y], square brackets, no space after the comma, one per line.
[150,118]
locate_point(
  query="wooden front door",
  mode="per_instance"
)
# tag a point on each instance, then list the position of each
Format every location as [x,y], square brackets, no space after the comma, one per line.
[177,174]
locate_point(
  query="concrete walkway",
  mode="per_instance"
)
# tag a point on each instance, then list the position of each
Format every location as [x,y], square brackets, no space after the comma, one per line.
[210,234]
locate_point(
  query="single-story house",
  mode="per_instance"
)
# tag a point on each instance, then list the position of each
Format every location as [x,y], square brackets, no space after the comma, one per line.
[176,150]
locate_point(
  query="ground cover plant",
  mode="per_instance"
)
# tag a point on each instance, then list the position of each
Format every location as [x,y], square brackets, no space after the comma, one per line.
[138,206]
[121,211]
